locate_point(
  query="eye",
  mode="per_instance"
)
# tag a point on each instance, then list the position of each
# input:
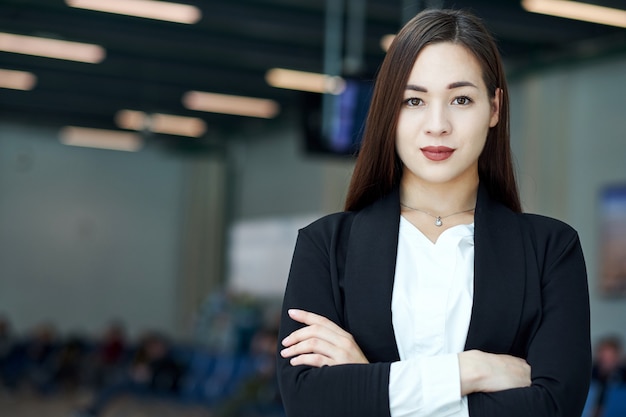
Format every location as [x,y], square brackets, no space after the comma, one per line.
[462,101]
[413,102]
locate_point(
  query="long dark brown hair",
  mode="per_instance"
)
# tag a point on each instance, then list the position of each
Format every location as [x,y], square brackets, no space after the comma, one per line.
[378,168]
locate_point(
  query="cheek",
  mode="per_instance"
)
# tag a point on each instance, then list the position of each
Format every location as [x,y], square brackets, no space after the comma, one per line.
[479,126]
[402,144]
[401,131]
[402,121]
[472,133]
[408,123]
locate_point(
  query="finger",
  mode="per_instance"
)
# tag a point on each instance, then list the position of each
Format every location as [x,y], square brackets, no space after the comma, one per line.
[308,332]
[311,359]
[316,346]
[334,335]
[306,317]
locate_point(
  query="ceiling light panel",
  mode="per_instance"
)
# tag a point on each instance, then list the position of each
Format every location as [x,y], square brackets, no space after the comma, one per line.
[17,80]
[168,124]
[100,138]
[51,48]
[229,104]
[149,9]
[305,81]
[578,11]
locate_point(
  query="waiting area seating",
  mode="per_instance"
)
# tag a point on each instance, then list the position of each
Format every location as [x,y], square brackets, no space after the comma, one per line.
[614,401]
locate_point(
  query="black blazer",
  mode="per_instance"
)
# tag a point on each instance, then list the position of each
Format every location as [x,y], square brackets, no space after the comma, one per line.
[530,300]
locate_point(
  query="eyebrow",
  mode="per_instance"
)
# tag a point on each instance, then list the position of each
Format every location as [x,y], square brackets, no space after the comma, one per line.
[451,86]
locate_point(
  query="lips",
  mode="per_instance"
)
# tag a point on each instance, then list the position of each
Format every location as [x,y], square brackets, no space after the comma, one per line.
[437,153]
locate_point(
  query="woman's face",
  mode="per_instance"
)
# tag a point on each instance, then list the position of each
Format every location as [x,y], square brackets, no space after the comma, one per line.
[445,117]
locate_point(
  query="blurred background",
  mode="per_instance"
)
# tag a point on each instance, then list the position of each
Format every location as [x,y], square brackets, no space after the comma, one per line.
[157,160]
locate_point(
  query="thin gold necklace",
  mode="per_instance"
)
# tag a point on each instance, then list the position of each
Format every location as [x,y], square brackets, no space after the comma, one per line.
[438,219]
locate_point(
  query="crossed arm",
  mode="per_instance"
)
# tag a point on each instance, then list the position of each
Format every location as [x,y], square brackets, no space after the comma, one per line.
[323,343]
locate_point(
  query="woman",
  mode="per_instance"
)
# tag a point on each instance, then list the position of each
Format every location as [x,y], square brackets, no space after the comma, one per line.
[432,294]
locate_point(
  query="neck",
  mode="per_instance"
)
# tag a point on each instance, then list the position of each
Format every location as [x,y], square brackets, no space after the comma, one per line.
[439,199]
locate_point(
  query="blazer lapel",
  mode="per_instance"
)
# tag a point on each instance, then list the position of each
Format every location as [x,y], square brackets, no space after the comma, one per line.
[499,277]
[368,283]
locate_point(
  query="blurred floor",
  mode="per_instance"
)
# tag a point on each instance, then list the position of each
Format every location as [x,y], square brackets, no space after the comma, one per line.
[27,404]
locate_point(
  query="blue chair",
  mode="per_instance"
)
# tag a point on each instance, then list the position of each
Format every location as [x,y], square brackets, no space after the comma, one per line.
[200,368]
[615,402]
[215,387]
[244,367]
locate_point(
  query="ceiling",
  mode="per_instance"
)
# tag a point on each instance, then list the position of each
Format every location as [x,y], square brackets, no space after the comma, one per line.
[150,64]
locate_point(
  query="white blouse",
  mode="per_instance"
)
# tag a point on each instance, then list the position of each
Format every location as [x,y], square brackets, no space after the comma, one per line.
[431,305]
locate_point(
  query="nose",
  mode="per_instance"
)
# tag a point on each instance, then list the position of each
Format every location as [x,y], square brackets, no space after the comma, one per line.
[437,121]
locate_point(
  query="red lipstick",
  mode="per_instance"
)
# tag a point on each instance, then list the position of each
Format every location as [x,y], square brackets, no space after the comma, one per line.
[437,153]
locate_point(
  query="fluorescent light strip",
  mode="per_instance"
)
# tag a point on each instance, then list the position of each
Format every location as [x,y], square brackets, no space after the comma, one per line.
[385,41]
[578,11]
[229,104]
[158,10]
[305,81]
[161,123]
[177,125]
[100,138]
[51,48]
[17,80]
[131,120]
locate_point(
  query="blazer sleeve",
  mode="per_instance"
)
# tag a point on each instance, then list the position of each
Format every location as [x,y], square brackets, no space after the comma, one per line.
[314,285]
[559,351]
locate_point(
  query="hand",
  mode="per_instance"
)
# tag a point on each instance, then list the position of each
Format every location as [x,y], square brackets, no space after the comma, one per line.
[321,342]
[489,372]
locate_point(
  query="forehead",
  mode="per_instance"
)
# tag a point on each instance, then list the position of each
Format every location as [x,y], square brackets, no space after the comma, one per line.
[441,64]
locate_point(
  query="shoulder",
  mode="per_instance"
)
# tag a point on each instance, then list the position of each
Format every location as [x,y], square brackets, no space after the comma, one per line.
[547,227]
[551,238]
[329,226]
[326,239]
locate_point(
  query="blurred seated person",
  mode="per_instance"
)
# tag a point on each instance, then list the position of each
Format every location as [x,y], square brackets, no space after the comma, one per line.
[7,343]
[257,394]
[109,358]
[39,352]
[608,370]
[70,363]
[153,370]
[6,337]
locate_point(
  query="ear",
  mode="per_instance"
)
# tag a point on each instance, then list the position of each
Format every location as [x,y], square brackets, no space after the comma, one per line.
[495,108]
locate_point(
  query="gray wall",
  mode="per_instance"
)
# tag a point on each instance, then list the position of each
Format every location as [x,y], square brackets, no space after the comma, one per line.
[274,176]
[86,235]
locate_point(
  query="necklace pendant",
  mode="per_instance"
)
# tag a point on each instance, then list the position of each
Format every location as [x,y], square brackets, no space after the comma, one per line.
[438,221]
